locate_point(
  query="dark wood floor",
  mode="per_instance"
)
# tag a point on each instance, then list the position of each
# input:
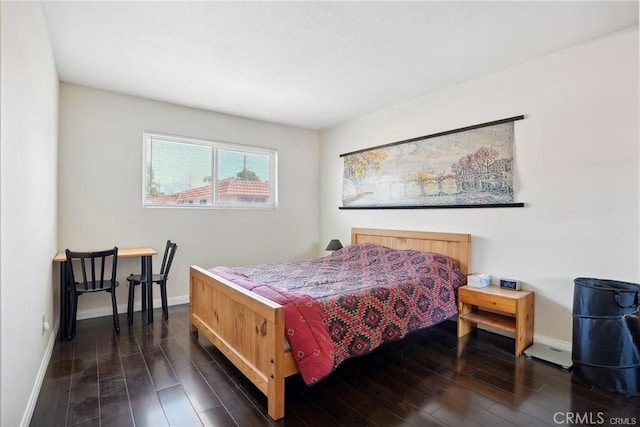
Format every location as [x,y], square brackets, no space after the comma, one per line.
[163,375]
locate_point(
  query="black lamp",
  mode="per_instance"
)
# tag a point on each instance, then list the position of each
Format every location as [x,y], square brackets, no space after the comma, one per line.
[334,245]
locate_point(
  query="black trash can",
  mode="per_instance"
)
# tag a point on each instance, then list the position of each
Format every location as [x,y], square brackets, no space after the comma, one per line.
[603,349]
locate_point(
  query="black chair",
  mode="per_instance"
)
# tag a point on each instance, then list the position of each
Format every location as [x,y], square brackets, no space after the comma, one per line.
[159,279]
[98,273]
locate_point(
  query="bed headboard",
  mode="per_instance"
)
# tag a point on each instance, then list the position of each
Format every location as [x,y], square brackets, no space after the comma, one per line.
[454,245]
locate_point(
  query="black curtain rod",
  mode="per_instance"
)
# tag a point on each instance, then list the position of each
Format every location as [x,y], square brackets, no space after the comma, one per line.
[433,135]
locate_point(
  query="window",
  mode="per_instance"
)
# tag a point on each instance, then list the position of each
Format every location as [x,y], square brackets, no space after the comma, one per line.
[186,172]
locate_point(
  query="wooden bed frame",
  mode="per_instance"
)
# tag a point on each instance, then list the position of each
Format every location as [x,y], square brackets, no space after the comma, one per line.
[249,329]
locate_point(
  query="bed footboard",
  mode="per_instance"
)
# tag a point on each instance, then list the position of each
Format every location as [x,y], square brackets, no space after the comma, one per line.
[247,328]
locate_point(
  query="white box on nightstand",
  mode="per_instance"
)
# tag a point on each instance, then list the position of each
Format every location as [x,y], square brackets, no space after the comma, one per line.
[478,280]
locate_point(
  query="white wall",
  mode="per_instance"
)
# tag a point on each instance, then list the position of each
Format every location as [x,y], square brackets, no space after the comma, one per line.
[101,191]
[577,169]
[28,188]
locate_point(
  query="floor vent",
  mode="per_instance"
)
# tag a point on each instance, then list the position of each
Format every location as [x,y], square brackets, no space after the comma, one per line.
[550,354]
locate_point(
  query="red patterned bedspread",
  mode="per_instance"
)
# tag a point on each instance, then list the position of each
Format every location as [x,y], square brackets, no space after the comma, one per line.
[352,301]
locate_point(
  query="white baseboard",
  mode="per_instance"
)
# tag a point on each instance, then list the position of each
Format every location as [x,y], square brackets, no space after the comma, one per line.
[552,342]
[537,338]
[37,386]
[122,308]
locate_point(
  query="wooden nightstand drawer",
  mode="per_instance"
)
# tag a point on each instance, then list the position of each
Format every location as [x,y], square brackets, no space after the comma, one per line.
[490,297]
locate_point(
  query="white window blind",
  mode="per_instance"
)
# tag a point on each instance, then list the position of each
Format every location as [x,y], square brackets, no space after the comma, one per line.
[188,172]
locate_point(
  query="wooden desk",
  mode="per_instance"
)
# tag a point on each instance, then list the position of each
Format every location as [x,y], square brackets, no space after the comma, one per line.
[146,255]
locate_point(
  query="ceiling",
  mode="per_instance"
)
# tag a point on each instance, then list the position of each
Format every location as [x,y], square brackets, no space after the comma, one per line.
[310,64]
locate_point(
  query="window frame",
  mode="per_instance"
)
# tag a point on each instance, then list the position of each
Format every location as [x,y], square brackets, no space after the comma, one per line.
[271,153]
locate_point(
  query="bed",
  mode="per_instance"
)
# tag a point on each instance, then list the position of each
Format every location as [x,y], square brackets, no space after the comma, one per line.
[249,328]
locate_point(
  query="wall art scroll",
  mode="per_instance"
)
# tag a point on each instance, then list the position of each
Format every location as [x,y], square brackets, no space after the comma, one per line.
[461,168]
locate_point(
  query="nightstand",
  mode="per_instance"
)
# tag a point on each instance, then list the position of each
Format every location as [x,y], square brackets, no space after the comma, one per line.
[511,311]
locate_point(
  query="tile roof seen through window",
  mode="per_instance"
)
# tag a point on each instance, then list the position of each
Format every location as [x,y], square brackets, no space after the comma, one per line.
[235,187]
[198,193]
[228,188]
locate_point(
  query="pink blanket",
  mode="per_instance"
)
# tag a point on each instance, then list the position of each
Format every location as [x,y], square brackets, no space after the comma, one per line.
[304,325]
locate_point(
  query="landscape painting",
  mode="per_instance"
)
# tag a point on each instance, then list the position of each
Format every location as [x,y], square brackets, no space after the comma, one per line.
[467,167]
